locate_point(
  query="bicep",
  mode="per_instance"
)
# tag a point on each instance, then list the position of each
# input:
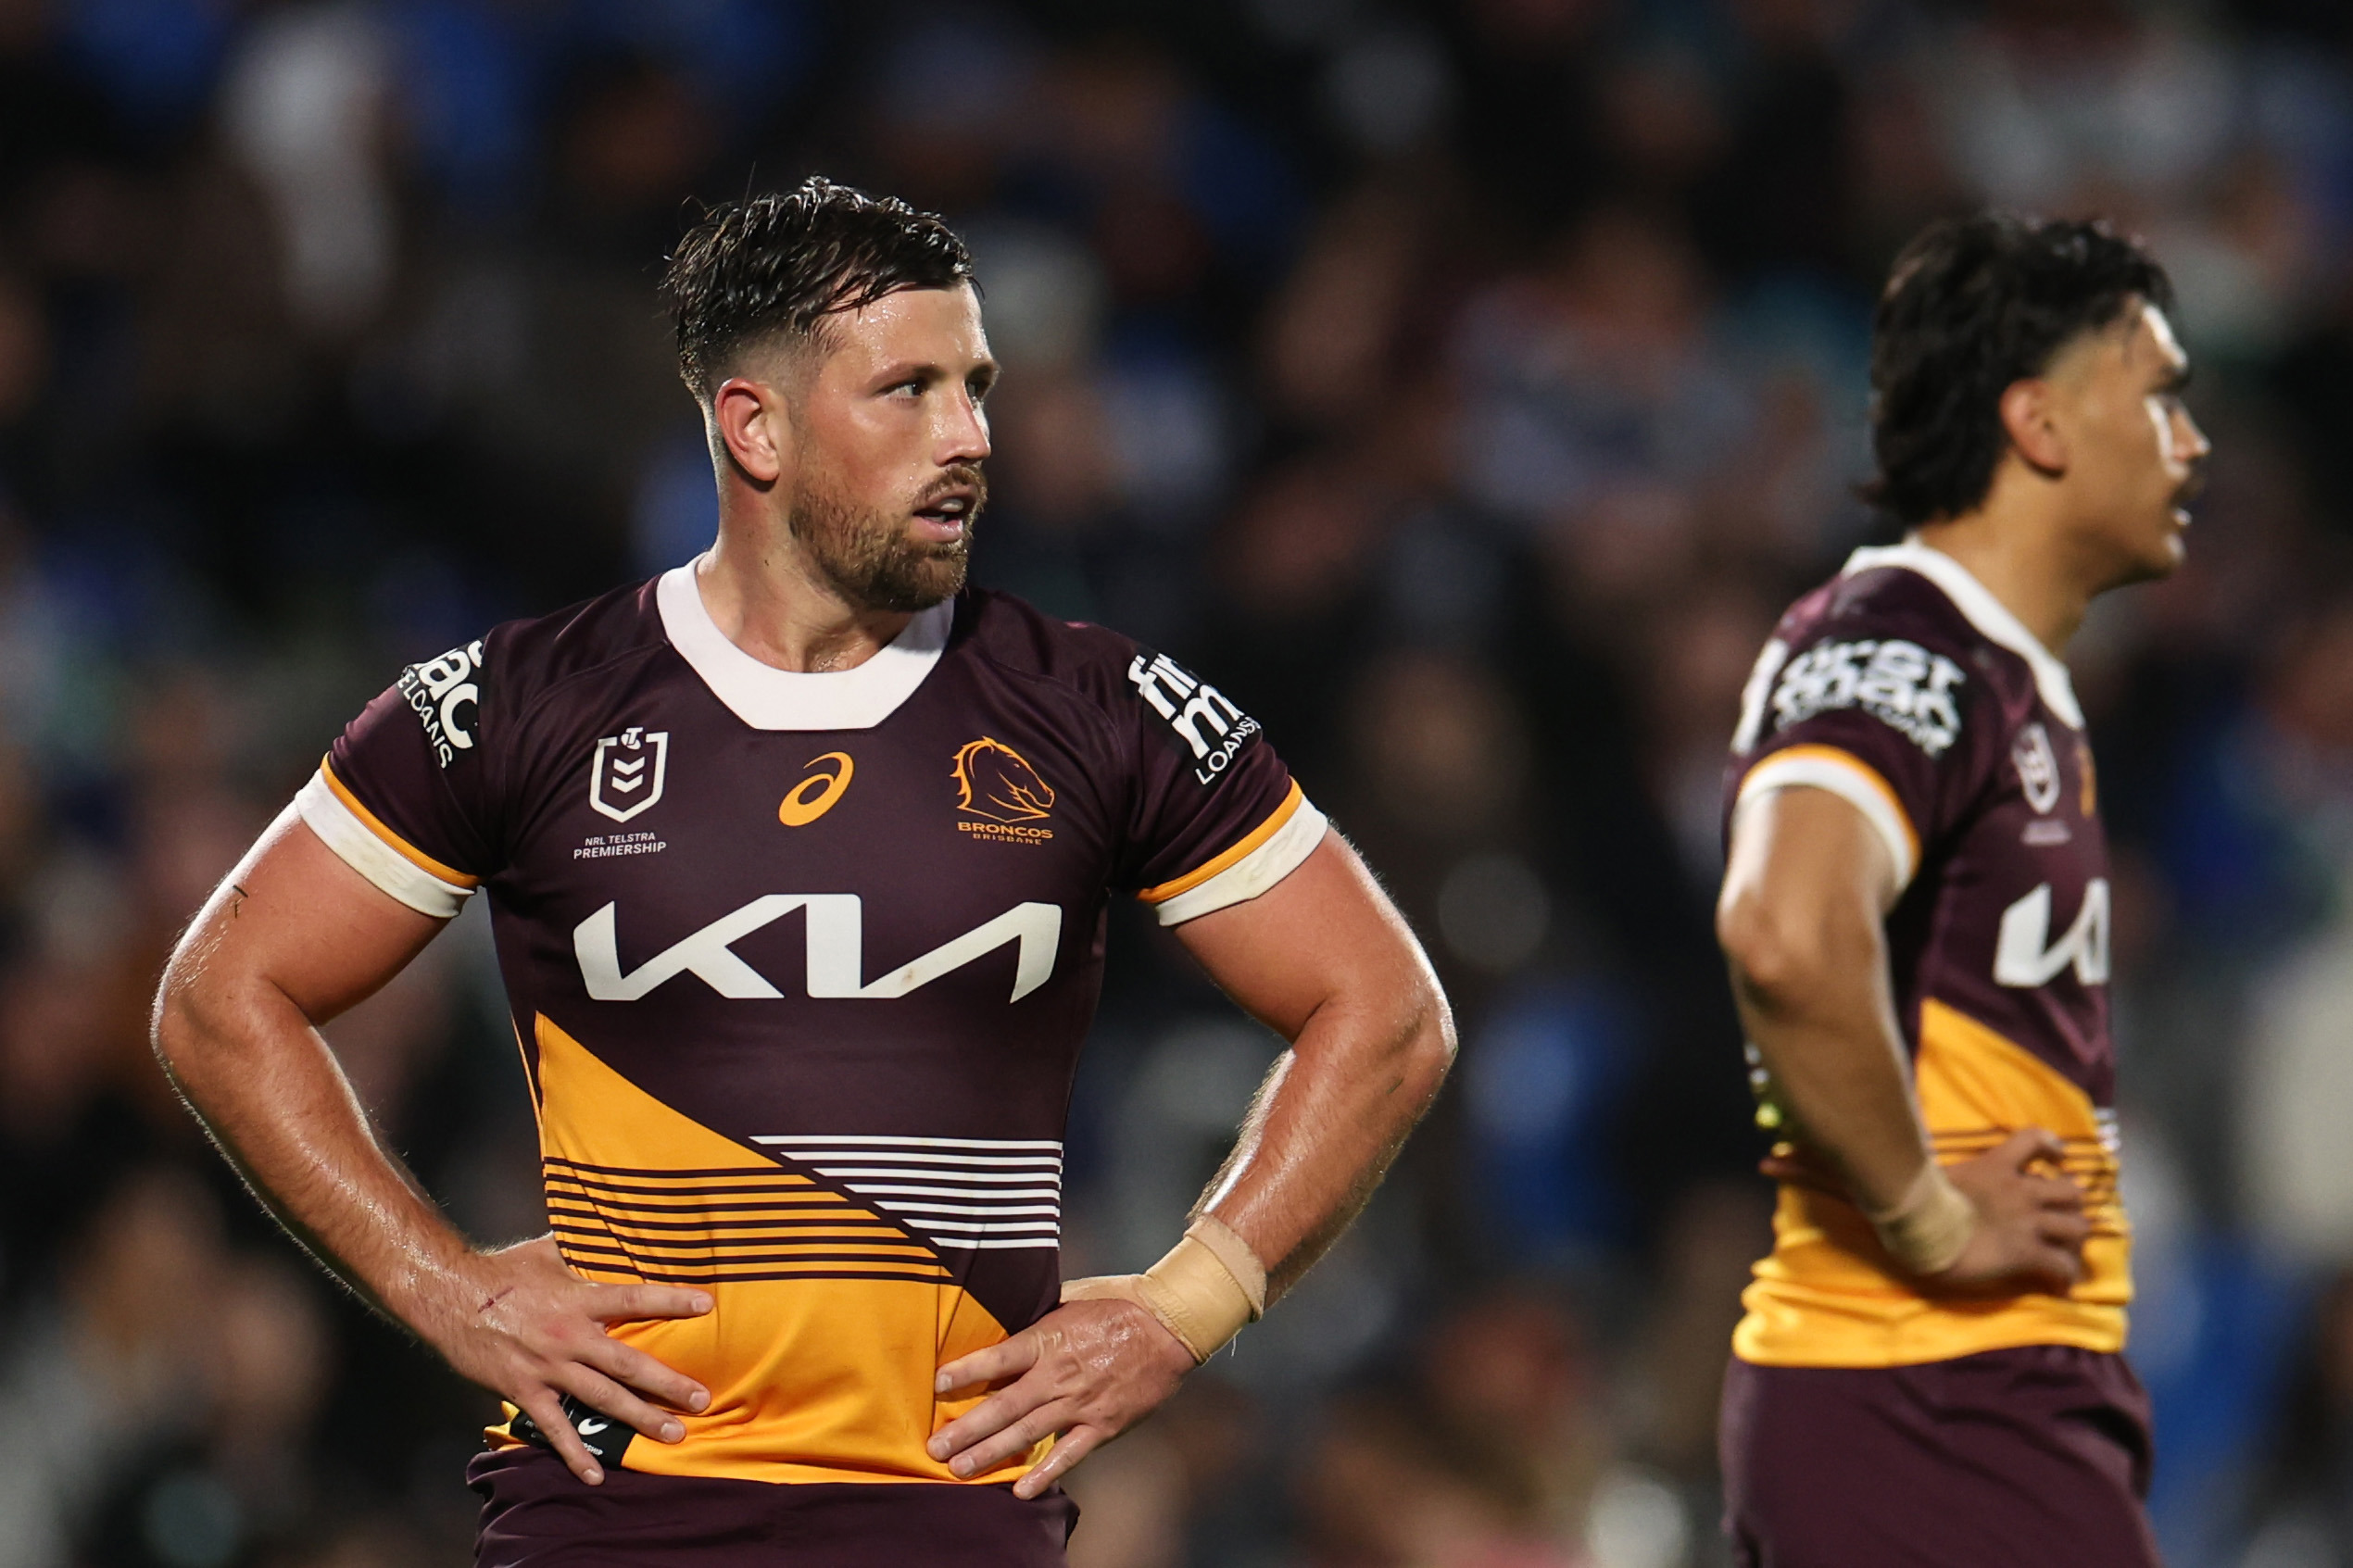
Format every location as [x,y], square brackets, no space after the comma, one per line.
[294,915]
[1325,930]
[1807,880]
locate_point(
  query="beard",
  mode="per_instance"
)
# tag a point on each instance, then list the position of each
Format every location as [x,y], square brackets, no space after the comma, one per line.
[868,557]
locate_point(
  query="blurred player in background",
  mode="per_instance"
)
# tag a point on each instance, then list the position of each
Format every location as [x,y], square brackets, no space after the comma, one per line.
[799,859]
[1915,910]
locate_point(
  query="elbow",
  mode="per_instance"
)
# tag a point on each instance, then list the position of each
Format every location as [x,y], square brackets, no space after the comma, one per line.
[182,1025]
[1425,1046]
[172,1030]
[1773,958]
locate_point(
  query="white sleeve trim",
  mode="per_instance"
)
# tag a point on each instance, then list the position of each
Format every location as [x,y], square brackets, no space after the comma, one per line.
[1282,853]
[357,845]
[1847,781]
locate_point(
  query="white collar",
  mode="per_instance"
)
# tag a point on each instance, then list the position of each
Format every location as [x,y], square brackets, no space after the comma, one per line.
[1989,615]
[768,699]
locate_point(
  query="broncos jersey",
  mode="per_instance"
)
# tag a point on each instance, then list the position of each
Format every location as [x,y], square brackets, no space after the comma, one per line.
[800,965]
[1903,687]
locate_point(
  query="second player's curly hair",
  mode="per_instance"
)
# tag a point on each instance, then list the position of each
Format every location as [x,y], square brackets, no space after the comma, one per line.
[1973,305]
[778,265]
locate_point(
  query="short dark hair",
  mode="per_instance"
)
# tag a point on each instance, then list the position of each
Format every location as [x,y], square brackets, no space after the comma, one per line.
[777,265]
[1973,305]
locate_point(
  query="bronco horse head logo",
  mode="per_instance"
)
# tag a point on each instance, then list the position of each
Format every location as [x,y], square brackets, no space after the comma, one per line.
[996,782]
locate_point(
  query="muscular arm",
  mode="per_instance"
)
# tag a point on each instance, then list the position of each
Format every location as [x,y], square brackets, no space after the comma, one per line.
[1806,888]
[1327,962]
[293,938]
[1324,960]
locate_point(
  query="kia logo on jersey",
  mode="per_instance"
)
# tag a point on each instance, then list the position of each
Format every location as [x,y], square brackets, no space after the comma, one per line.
[628,771]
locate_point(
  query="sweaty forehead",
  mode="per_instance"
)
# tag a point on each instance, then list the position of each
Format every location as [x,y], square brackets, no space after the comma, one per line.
[932,324]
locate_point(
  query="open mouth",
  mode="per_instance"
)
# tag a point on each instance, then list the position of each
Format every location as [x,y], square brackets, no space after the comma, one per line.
[946,515]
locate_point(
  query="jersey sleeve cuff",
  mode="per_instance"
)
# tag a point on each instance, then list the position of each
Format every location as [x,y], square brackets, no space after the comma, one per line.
[376,852]
[1267,854]
[1852,780]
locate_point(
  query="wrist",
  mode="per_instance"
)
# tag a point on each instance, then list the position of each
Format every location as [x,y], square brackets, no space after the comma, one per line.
[1927,1228]
[1207,1289]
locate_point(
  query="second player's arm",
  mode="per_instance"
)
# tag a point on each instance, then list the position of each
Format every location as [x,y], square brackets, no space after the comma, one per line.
[1807,889]
[1326,961]
[293,938]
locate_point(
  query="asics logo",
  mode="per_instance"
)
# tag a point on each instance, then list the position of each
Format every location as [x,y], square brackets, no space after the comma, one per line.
[814,795]
[835,964]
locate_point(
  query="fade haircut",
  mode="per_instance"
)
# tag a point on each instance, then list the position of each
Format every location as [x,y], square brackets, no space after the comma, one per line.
[1973,305]
[776,267]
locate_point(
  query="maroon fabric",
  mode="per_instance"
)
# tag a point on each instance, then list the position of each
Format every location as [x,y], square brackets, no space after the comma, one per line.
[535,1514]
[1999,788]
[2031,1457]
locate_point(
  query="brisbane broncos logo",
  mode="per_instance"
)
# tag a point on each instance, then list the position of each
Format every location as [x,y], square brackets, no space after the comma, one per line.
[995,782]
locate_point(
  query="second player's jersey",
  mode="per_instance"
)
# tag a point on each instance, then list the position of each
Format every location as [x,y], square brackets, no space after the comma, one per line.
[1906,688]
[802,964]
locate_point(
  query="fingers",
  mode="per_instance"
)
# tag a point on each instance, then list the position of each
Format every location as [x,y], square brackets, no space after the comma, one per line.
[633,1367]
[547,1413]
[1060,1460]
[623,1304]
[2055,1193]
[2069,1231]
[1007,1358]
[2030,1146]
[602,1394]
[1015,1439]
[987,1419]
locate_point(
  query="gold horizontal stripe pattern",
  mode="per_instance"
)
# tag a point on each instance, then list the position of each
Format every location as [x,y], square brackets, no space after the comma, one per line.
[719,1225]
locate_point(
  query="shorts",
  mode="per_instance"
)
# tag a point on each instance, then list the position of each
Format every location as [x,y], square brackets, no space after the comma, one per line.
[2029,1458]
[538,1514]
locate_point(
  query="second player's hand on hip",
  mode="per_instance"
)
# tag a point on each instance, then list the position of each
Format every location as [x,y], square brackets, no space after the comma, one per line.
[532,1331]
[2030,1226]
[1087,1371]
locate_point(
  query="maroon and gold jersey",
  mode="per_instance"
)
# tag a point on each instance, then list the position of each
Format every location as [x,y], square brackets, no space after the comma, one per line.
[802,964]
[1903,687]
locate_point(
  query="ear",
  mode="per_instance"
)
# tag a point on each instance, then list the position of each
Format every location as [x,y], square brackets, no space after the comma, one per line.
[2030,419]
[752,421]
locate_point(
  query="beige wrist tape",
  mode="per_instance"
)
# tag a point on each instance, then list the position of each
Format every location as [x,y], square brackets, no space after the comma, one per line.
[1929,1226]
[1209,1286]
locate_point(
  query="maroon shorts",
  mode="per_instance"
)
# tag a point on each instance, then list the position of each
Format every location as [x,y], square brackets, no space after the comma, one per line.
[535,1514]
[2032,1458]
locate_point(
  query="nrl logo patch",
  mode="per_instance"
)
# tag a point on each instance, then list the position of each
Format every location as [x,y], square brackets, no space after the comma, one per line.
[628,771]
[2037,768]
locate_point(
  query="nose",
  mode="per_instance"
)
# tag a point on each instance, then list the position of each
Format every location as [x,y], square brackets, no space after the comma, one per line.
[2190,445]
[963,436]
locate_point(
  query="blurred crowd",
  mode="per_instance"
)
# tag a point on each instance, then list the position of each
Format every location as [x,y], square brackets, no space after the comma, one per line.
[1464,386]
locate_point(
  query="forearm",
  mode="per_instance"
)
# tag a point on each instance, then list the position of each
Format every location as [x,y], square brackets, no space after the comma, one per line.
[1331,1116]
[1827,1034]
[269,1091]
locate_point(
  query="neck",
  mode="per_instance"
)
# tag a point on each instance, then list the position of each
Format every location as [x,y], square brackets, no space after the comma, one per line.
[769,599]
[2022,561]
